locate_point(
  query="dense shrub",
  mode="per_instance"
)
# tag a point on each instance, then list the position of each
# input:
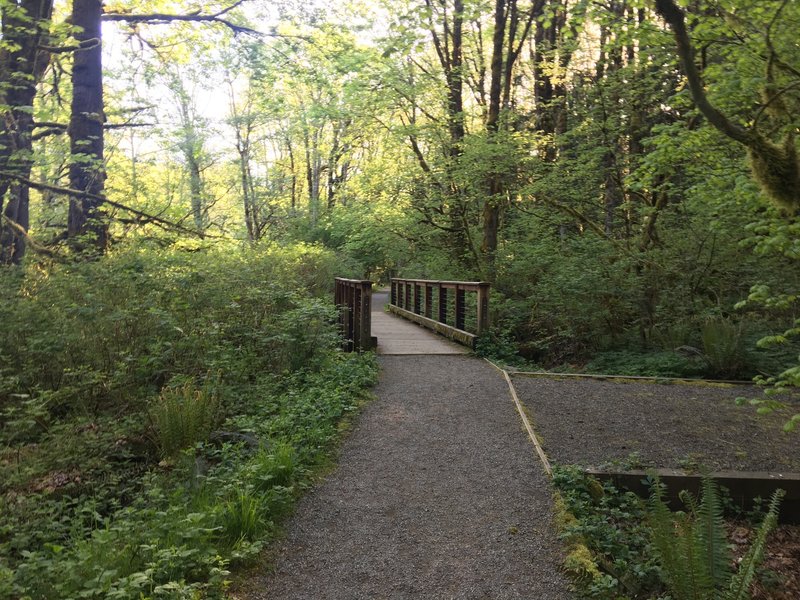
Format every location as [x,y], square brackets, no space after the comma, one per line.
[160,411]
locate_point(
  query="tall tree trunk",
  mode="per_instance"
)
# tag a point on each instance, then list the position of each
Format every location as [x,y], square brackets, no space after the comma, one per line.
[248,197]
[313,171]
[86,170]
[455,80]
[22,65]
[333,162]
[196,191]
[192,146]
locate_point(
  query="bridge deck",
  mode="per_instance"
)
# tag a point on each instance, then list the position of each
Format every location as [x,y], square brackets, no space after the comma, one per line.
[398,336]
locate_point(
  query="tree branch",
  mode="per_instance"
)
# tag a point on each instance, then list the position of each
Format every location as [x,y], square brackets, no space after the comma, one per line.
[195,17]
[674,17]
[51,128]
[143,216]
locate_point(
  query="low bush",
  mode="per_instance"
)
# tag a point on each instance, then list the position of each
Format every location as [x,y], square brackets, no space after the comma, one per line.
[655,364]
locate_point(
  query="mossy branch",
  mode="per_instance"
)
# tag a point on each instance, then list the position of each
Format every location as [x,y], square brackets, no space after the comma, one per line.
[775,166]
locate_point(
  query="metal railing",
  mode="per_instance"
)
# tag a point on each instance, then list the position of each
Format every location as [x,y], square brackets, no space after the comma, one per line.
[456,309]
[354,299]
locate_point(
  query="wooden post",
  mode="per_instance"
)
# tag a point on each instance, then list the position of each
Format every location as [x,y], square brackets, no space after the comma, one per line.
[365,325]
[483,307]
[358,309]
[428,299]
[393,296]
[460,307]
[442,304]
[347,309]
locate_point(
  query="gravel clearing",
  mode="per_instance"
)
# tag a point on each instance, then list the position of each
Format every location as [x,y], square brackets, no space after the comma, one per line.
[438,494]
[592,422]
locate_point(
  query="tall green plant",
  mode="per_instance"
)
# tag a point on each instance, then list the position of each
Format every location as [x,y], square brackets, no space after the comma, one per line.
[693,551]
[184,416]
[722,347]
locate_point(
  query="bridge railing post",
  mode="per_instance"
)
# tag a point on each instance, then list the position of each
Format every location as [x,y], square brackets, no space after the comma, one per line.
[460,307]
[442,304]
[483,307]
[354,299]
[428,299]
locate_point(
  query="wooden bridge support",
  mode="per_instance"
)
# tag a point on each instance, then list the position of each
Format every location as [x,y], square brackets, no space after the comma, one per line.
[354,299]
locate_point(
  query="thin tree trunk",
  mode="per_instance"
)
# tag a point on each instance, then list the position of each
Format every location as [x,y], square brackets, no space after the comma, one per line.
[292,167]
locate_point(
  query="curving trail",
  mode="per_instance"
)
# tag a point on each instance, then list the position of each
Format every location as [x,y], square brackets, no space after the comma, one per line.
[438,494]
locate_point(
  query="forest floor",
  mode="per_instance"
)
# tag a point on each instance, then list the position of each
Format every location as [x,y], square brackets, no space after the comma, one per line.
[634,425]
[438,494]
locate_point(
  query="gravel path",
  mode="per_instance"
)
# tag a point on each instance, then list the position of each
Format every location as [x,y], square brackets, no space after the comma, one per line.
[591,422]
[438,494]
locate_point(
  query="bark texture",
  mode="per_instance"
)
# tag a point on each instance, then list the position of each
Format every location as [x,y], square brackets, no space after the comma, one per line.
[24,27]
[86,170]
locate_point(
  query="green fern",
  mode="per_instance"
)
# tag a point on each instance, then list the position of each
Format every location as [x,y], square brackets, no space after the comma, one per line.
[183,416]
[739,587]
[710,536]
[693,551]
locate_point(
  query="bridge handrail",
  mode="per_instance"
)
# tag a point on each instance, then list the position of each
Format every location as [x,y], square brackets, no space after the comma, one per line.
[354,299]
[414,300]
[472,286]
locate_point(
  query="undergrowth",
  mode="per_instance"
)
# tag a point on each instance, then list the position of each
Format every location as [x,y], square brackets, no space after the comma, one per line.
[160,412]
[623,547]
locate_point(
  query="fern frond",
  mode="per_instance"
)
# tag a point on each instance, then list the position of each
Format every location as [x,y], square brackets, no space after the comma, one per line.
[670,541]
[710,536]
[739,588]
[693,581]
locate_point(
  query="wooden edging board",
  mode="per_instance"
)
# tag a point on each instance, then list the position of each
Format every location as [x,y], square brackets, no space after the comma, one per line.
[744,486]
[525,421]
[631,377]
[457,335]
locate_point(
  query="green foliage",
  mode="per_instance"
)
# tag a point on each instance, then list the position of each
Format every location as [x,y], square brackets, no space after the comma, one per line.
[697,561]
[611,525]
[278,466]
[86,507]
[692,547]
[183,416]
[624,547]
[242,518]
[655,364]
[722,348]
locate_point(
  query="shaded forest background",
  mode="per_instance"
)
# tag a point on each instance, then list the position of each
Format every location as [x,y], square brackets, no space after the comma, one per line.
[553,148]
[180,185]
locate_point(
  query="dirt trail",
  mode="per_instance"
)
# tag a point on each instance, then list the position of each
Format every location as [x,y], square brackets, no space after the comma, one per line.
[438,494]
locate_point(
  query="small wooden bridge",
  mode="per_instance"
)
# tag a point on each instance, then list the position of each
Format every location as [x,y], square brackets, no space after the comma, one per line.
[455,313]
